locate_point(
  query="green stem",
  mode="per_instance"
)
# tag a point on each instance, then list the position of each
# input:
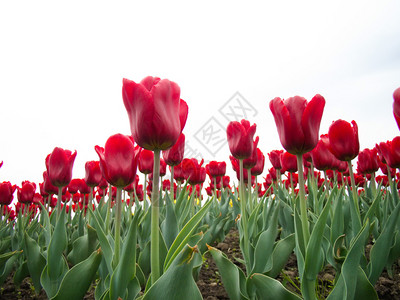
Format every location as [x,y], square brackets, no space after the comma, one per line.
[145,204]
[154,246]
[108,217]
[249,190]
[59,201]
[356,222]
[215,187]
[172,185]
[243,218]
[118,204]
[303,202]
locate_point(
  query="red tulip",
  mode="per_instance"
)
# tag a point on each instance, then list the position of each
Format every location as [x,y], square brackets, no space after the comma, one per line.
[396,106]
[146,161]
[26,192]
[225,182]
[322,157]
[163,168]
[250,162]
[178,173]
[174,155]
[368,161]
[298,122]
[240,138]
[93,174]
[6,193]
[156,113]
[216,169]
[259,167]
[343,140]
[193,171]
[118,160]
[275,158]
[1,164]
[391,152]
[48,187]
[75,185]
[288,162]
[59,166]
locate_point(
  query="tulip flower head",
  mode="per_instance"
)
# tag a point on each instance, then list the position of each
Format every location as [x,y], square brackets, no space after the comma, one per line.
[6,193]
[343,140]
[146,161]
[275,158]
[174,155]
[156,113]
[396,106]
[298,122]
[59,165]
[118,160]
[93,173]
[26,192]
[240,138]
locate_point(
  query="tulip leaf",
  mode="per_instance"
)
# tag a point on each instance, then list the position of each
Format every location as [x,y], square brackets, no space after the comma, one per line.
[280,255]
[169,226]
[35,260]
[7,262]
[380,250]
[126,268]
[185,234]
[77,281]
[104,243]
[177,282]
[268,288]
[232,277]
[58,244]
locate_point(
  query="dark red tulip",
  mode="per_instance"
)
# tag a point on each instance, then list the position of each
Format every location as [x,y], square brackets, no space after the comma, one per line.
[59,166]
[93,174]
[26,192]
[6,192]
[193,171]
[156,113]
[250,162]
[178,173]
[391,152]
[75,185]
[216,169]
[118,160]
[259,167]
[368,161]
[146,161]
[272,172]
[174,155]
[240,138]
[322,157]
[1,164]
[84,188]
[288,162]
[163,168]
[298,122]
[48,187]
[275,158]
[396,106]
[343,140]
[103,184]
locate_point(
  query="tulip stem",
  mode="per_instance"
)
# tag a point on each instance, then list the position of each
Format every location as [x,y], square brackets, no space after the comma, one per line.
[172,185]
[249,190]
[243,218]
[117,224]
[372,185]
[59,201]
[145,204]
[215,187]
[154,246]
[356,222]
[108,217]
[303,202]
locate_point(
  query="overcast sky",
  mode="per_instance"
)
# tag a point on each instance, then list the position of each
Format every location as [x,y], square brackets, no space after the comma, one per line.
[62,64]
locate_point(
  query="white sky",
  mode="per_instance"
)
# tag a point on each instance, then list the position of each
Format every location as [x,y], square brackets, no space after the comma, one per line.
[62,64]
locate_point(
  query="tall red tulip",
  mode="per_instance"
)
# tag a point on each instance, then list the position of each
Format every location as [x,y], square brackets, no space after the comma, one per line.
[275,158]
[59,165]
[343,140]
[288,162]
[240,138]
[322,157]
[6,193]
[390,150]
[118,160]
[396,106]
[93,173]
[174,155]
[146,161]
[298,122]
[156,113]
[368,161]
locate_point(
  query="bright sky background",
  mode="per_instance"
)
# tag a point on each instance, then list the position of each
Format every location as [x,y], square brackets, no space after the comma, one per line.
[62,64]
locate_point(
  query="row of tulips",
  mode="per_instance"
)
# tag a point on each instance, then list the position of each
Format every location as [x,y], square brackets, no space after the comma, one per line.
[152,249]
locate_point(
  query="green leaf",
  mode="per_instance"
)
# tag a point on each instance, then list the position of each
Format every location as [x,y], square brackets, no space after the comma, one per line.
[8,260]
[185,234]
[169,227]
[126,268]
[177,282]
[83,246]
[35,260]
[77,281]
[232,277]
[268,288]
[281,254]
[58,244]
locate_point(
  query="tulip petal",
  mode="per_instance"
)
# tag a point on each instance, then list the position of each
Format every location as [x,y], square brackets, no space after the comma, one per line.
[311,121]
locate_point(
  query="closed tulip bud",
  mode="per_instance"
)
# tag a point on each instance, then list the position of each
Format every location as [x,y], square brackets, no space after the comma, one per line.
[75,185]
[6,193]
[288,162]
[240,138]
[368,161]
[322,157]
[343,140]
[259,167]
[216,169]
[118,160]
[48,187]
[59,166]
[193,171]
[146,161]
[298,122]
[26,192]
[396,106]
[93,174]
[156,113]
[275,158]
[250,162]
[391,152]
[163,168]
[174,155]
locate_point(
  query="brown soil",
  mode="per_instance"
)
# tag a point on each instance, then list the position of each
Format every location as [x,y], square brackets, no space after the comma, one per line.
[210,283]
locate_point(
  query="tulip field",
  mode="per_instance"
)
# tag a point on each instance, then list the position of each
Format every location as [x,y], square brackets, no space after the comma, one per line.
[147,222]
